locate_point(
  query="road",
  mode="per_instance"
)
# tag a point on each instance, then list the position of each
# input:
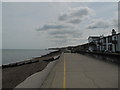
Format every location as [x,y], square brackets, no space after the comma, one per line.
[79,71]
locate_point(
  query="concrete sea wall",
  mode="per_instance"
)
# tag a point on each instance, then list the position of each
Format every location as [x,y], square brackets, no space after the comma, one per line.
[110,57]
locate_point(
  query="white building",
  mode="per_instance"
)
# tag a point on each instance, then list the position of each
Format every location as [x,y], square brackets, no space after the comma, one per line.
[92,43]
[109,43]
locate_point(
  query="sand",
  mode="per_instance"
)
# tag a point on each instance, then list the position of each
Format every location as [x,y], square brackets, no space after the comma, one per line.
[12,76]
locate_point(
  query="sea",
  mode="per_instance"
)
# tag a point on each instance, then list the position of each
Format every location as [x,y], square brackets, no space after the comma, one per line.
[16,55]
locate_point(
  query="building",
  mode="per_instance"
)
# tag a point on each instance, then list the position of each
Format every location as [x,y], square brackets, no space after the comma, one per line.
[102,43]
[92,43]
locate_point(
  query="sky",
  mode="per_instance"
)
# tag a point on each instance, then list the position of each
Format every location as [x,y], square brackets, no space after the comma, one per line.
[60,0]
[41,25]
[0,25]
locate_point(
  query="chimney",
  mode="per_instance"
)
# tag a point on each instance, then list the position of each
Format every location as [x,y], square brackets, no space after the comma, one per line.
[113,32]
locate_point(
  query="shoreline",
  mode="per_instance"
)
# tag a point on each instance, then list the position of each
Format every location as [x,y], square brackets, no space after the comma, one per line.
[14,74]
[27,61]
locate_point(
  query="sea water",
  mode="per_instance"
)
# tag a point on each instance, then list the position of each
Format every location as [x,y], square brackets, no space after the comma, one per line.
[16,55]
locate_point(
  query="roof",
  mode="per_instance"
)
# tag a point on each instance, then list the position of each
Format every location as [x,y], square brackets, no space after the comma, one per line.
[94,37]
[98,37]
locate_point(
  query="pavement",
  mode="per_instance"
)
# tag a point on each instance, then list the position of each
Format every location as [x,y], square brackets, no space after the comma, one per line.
[79,71]
[37,79]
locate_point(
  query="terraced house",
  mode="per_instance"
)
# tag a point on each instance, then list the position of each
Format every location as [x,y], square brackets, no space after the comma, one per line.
[109,43]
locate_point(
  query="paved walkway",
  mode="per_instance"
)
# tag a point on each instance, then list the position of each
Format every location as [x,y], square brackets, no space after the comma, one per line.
[78,71]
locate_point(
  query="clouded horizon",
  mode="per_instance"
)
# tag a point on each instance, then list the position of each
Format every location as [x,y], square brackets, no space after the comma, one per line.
[41,25]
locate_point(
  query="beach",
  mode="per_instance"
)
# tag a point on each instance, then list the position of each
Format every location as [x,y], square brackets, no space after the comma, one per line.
[17,73]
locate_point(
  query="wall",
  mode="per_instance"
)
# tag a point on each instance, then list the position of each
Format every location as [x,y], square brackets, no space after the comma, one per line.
[114,58]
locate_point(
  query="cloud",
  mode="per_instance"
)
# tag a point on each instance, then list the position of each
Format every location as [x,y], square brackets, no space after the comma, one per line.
[80,12]
[63,17]
[59,36]
[99,23]
[60,31]
[115,22]
[66,33]
[59,41]
[52,26]
[63,31]
[77,15]
[75,21]
[64,37]
[102,23]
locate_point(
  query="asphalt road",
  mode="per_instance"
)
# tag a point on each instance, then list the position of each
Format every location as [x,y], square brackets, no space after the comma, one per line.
[79,71]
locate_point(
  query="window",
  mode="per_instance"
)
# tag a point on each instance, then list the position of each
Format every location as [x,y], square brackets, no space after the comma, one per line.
[110,47]
[114,38]
[104,40]
[109,39]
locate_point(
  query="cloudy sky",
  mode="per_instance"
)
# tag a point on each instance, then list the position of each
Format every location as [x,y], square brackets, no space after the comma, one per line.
[40,25]
[0,25]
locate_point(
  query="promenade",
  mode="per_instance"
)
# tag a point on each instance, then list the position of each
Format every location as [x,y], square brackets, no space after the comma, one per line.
[79,71]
